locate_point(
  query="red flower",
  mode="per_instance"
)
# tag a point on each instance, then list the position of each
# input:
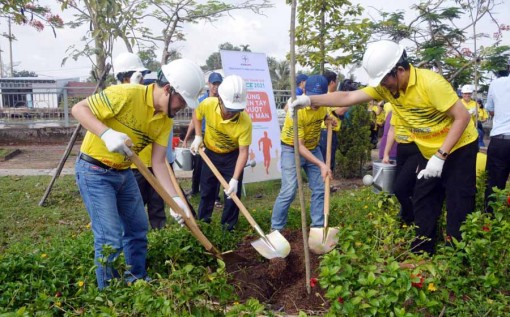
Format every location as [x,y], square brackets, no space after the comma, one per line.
[58,294]
[340,300]
[313,281]
[418,284]
[508,200]
[486,228]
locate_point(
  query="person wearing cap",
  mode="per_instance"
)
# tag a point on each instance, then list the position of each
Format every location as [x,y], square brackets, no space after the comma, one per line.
[300,84]
[498,152]
[468,102]
[309,128]
[213,82]
[227,141]
[332,84]
[426,105]
[483,116]
[129,69]
[141,115]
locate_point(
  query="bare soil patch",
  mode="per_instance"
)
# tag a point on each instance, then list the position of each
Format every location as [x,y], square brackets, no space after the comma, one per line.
[279,283]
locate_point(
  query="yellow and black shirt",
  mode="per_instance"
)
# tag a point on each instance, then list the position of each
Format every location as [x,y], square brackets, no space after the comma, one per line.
[421,110]
[223,136]
[129,109]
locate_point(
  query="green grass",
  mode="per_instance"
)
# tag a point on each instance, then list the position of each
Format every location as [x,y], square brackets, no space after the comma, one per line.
[46,260]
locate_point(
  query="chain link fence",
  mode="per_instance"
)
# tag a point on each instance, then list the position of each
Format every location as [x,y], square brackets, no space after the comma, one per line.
[21,105]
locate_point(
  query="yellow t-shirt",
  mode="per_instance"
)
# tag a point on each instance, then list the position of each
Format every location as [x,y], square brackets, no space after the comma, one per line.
[309,127]
[422,108]
[223,136]
[483,114]
[129,109]
[470,105]
[387,109]
[402,135]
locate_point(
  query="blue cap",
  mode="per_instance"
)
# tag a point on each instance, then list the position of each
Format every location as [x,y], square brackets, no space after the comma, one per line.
[300,78]
[316,85]
[215,78]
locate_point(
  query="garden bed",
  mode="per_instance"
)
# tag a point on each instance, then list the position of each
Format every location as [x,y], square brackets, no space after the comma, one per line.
[279,283]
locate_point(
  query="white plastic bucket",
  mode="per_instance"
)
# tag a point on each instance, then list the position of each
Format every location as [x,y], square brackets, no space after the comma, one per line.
[183,159]
[384,180]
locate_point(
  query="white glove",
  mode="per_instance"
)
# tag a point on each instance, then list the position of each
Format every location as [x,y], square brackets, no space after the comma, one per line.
[472,111]
[232,187]
[300,102]
[433,169]
[197,142]
[184,208]
[136,78]
[116,142]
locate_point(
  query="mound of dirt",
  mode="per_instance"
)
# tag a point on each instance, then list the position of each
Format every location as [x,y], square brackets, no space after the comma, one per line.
[279,283]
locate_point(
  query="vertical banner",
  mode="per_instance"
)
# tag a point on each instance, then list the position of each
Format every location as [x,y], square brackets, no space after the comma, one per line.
[265,148]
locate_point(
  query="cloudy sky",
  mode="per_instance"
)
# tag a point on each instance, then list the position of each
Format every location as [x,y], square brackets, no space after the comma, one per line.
[42,53]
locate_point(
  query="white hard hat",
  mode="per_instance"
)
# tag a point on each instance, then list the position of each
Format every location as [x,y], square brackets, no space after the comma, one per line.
[379,59]
[186,78]
[233,92]
[128,62]
[467,89]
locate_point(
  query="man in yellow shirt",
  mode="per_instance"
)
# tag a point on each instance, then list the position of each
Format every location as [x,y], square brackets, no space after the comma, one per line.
[468,102]
[310,120]
[143,115]
[227,141]
[332,84]
[129,69]
[426,106]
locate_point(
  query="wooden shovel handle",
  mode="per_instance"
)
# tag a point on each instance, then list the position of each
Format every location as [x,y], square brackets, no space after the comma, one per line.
[329,139]
[233,196]
[178,188]
[195,231]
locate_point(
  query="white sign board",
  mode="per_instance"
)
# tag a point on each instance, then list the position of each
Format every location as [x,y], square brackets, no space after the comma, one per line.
[265,148]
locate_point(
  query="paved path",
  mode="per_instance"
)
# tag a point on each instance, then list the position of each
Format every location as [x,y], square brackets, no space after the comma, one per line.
[44,159]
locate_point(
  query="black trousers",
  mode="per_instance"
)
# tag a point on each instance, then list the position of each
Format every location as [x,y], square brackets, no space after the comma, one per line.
[197,171]
[154,202]
[408,160]
[498,167]
[458,185]
[195,177]
[225,163]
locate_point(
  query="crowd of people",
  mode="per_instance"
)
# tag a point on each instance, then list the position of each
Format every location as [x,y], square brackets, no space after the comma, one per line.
[431,134]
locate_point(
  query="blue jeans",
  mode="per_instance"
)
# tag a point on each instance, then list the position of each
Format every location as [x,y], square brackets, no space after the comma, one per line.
[289,187]
[116,210]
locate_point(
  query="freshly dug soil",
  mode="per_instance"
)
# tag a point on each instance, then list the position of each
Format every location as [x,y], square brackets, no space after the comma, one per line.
[279,283]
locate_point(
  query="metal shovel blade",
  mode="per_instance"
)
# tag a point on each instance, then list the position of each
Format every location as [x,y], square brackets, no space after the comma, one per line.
[276,246]
[322,240]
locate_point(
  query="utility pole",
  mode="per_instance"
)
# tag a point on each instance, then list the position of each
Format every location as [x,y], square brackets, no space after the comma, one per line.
[10,47]
[1,64]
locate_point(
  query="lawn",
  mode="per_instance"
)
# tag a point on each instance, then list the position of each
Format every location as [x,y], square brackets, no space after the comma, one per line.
[46,261]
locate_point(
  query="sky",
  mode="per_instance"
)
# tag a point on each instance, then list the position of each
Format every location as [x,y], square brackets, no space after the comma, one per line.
[42,53]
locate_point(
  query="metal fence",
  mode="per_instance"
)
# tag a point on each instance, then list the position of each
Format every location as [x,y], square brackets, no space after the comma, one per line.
[44,107]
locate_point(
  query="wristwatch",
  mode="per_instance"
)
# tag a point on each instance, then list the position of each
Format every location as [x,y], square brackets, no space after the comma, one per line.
[443,153]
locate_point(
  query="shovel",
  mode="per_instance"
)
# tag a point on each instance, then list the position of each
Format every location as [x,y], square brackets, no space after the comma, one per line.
[193,228]
[270,246]
[178,188]
[323,240]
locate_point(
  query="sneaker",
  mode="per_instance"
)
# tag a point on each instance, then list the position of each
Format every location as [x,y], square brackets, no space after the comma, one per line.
[218,204]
